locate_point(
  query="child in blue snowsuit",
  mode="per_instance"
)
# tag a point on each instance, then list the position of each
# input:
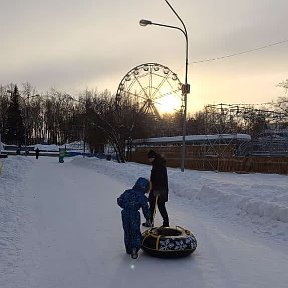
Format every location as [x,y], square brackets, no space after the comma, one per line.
[131,201]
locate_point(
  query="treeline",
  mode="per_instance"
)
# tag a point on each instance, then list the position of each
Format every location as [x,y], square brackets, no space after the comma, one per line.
[54,117]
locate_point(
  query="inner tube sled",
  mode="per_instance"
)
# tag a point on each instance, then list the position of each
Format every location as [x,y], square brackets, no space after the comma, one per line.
[168,242]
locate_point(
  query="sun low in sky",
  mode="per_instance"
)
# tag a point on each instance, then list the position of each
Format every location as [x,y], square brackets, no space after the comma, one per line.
[169,103]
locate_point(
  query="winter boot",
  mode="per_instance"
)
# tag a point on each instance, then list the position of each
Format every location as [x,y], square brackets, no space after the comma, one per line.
[165,224]
[134,254]
[147,224]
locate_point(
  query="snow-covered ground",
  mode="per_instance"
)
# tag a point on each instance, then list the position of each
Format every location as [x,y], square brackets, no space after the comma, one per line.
[60,227]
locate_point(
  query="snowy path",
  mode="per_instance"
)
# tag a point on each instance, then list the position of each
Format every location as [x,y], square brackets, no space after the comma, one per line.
[73,238]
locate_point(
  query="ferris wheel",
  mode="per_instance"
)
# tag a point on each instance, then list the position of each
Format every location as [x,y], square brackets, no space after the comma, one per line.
[154,88]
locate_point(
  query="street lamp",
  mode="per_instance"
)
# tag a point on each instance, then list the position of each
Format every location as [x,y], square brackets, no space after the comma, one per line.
[186,86]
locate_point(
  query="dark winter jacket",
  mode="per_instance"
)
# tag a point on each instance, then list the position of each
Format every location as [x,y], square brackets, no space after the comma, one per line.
[134,199]
[159,178]
[37,152]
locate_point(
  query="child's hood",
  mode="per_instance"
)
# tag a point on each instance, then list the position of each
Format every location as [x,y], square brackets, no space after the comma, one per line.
[142,184]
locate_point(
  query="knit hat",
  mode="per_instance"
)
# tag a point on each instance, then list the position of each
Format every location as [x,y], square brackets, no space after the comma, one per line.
[151,154]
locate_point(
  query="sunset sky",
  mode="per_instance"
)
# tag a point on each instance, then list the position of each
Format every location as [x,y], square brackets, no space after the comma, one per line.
[72,45]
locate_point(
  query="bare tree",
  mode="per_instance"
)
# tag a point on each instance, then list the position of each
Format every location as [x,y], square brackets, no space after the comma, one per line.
[282,102]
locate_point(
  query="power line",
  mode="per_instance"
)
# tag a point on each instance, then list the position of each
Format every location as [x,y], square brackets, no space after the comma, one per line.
[240,53]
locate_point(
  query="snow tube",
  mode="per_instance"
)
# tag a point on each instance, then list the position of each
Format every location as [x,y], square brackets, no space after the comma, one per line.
[168,242]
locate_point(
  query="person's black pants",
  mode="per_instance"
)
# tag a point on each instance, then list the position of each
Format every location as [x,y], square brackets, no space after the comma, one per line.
[161,207]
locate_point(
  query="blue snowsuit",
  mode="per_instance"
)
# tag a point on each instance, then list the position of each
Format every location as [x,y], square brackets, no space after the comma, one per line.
[131,201]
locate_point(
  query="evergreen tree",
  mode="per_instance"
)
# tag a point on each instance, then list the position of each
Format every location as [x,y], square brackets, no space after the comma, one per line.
[15,131]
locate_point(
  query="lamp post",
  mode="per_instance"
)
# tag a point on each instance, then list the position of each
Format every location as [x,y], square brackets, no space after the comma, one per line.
[186,86]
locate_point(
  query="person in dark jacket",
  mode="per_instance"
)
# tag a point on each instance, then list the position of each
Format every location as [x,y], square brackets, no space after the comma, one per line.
[37,152]
[159,192]
[131,201]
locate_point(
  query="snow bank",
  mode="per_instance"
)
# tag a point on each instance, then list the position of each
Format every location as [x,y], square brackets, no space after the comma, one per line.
[11,207]
[55,148]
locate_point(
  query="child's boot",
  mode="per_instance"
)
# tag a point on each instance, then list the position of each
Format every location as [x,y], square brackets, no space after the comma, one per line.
[148,223]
